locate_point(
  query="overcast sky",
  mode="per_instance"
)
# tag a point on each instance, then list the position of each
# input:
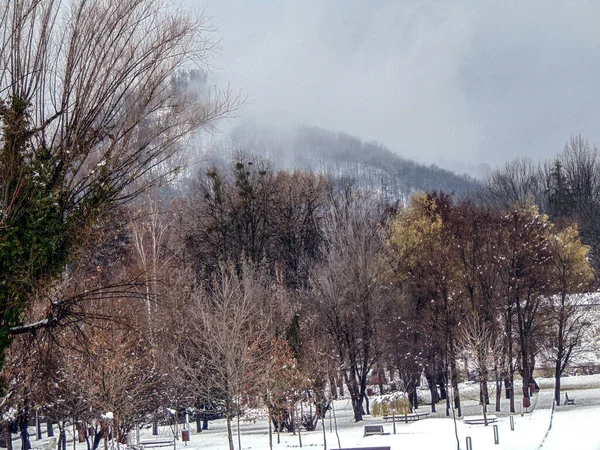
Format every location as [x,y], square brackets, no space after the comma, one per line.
[446,82]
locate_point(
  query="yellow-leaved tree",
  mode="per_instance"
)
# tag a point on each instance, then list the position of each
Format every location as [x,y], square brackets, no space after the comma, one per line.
[572,276]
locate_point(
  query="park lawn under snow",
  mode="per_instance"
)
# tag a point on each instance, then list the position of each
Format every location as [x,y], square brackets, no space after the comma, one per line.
[573,426]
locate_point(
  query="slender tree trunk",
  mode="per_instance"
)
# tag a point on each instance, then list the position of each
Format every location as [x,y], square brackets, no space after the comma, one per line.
[23,423]
[341,384]
[498,388]
[62,440]
[557,389]
[558,366]
[448,404]
[8,435]
[293,419]
[324,435]
[38,425]
[270,432]
[509,355]
[229,432]
[155,425]
[454,378]
[482,390]
[333,384]
[3,435]
[239,433]
[98,438]
[380,378]
[81,432]
[432,390]
[442,383]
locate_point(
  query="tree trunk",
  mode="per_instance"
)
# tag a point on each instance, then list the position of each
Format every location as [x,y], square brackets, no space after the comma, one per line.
[432,390]
[442,384]
[557,389]
[2,436]
[333,384]
[434,396]
[23,423]
[38,425]
[454,378]
[483,393]
[380,378]
[229,432]
[354,395]
[62,436]
[498,389]
[155,425]
[8,435]
[98,438]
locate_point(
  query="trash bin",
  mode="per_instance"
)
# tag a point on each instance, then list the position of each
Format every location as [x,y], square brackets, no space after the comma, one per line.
[185,435]
[531,388]
[526,402]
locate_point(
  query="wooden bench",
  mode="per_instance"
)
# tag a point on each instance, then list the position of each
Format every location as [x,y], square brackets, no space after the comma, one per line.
[477,420]
[406,417]
[569,401]
[371,430]
[366,448]
[156,443]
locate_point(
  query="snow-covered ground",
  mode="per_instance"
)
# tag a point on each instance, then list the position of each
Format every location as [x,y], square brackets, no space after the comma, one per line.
[573,426]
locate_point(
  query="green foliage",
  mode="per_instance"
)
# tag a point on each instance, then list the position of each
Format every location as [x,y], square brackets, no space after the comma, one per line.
[40,223]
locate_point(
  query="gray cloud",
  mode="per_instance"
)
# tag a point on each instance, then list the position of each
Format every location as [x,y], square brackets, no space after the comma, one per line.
[453,83]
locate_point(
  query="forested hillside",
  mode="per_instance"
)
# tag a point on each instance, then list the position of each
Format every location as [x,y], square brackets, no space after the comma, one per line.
[341,156]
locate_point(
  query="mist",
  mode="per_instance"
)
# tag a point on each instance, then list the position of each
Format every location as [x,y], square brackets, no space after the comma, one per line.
[464,85]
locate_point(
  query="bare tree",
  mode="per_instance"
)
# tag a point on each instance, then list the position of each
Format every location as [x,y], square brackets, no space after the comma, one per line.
[572,276]
[88,109]
[349,296]
[480,342]
[224,338]
[519,182]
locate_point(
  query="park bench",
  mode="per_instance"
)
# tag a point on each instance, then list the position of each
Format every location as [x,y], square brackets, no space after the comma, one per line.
[477,420]
[156,443]
[406,417]
[371,430]
[569,401]
[366,448]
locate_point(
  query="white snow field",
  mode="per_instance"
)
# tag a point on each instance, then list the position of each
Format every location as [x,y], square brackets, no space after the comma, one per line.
[573,426]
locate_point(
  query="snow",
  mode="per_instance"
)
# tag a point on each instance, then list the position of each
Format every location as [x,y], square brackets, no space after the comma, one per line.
[573,426]
[570,424]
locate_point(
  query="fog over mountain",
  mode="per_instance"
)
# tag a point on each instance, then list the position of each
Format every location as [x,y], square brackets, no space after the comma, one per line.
[461,84]
[342,158]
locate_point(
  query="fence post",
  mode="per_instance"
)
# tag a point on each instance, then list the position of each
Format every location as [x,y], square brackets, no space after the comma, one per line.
[496,436]
[512,423]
